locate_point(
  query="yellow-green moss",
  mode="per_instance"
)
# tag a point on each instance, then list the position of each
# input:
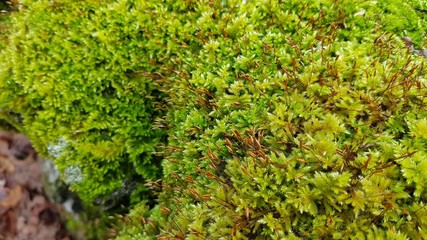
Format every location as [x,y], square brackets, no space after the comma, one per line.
[284,119]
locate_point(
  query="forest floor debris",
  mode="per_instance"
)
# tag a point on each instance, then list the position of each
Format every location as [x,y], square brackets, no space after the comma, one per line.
[25,210]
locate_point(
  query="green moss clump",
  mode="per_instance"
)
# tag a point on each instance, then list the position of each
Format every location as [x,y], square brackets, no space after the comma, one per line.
[82,77]
[293,120]
[296,120]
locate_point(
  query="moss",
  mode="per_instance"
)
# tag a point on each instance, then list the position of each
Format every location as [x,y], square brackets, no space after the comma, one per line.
[81,75]
[294,121]
[274,120]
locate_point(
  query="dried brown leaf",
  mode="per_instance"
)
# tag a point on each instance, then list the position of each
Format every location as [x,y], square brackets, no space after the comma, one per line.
[6,164]
[13,197]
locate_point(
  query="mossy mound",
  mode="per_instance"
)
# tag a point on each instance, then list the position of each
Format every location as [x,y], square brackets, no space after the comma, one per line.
[289,120]
[81,77]
[295,121]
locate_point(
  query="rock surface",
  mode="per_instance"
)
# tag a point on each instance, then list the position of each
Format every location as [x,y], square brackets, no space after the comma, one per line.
[410,44]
